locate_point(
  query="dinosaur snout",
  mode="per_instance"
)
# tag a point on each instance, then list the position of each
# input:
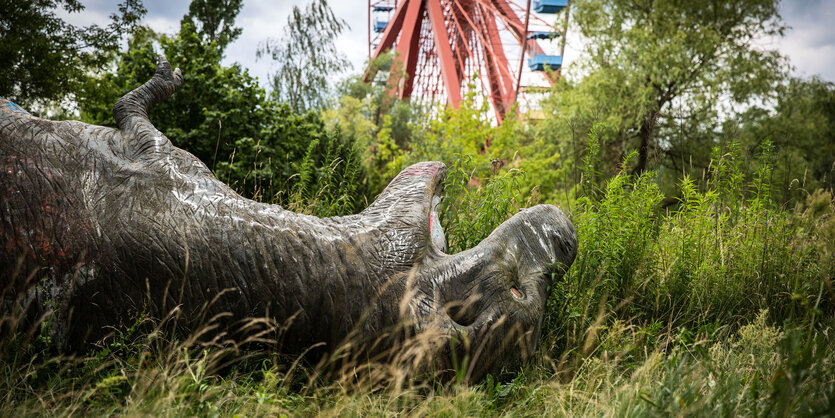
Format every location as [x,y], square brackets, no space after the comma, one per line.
[542,240]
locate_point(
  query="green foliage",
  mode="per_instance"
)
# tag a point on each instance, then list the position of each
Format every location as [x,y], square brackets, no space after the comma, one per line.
[214,20]
[384,157]
[225,118]
[379,125]
[305,56]
[801,128]
[215,106]
[455,133]
[45,58]
[376,143]
[712,262]
[471,211]
[656,76]
[331,190]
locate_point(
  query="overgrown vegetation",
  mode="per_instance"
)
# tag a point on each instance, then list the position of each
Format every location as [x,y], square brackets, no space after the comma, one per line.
[721,303]
[703,284]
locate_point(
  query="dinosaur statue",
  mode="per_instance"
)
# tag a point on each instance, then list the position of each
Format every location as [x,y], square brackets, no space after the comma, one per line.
[96,223]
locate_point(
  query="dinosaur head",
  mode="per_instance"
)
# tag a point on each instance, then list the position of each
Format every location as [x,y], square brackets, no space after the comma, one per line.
[487,302]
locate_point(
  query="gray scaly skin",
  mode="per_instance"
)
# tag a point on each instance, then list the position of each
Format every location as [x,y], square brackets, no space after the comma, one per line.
[98,223]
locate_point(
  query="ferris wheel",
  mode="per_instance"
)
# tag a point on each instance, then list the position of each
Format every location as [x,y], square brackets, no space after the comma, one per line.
[505,50]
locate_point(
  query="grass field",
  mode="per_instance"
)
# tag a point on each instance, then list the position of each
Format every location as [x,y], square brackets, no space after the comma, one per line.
[720,303]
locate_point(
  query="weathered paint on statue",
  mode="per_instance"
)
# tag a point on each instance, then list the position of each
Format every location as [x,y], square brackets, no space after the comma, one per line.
[97,224]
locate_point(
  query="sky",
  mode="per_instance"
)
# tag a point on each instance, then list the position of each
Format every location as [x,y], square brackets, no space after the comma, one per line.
[809,43]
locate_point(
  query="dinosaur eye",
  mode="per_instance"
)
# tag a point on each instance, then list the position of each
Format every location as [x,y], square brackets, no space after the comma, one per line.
[516,293]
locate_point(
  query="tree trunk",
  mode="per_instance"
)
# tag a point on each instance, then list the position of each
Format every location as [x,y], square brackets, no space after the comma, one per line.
[645,134]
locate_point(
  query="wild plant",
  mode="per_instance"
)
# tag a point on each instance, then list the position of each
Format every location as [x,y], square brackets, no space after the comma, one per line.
[476,202]
[716,302]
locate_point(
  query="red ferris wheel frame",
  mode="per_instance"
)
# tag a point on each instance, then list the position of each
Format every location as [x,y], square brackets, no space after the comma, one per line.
[440,44]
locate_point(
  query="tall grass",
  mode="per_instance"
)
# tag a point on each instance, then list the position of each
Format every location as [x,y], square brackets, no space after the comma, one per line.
[476,202]
[719,304]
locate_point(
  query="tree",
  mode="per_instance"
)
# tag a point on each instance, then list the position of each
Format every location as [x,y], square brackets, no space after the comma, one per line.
[305,55]
[802,128]
[214,20]
[45,58]
[212,108]
[376,122]
[222,116]
[661,74]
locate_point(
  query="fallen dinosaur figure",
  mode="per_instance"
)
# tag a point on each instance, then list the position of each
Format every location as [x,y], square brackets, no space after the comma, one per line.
[96,223]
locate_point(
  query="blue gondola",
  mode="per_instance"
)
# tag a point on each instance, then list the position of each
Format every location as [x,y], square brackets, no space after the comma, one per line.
[383,8]
[543,35]
[549,6]
[541,61]
[380,26]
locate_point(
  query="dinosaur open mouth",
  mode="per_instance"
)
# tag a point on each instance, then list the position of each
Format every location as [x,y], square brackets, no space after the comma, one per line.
[436,231]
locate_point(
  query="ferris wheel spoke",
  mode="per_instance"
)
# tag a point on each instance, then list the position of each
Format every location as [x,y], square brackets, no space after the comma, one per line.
[467,47]
[475,66]
[464,33]
[459,42]
[508,13]
[444,52]
[407,47]
[516,24]
[534,17]
[389,35]
[491,59]
[494,57]
[479,35]
[445,47]
[428,79]
[501,85]
[500,55]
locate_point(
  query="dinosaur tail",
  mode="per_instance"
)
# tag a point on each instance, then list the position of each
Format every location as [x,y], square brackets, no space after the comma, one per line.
[131,110]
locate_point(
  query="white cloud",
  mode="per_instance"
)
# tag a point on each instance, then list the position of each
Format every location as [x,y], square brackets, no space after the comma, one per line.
[261,19]
[810,43]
